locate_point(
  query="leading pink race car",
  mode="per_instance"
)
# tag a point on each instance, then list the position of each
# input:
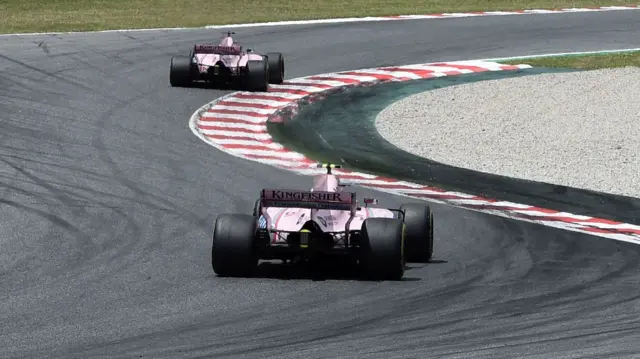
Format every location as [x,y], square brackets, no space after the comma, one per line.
[227,63]
[295,225]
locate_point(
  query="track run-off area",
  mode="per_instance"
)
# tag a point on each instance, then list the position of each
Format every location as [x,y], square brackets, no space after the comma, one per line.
[109,201]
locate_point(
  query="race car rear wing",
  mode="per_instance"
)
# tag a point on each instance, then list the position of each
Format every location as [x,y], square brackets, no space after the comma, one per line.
[345,201]
[217,49]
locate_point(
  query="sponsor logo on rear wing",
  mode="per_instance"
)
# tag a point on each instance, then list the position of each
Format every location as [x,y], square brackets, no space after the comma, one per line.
[217,49]
[308,199]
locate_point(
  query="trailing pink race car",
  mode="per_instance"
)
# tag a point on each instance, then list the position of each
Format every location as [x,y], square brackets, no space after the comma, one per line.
[227,64]
[324,221]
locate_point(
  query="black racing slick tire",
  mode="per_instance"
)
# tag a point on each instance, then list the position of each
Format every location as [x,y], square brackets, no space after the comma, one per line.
[233,252]
[276,67]
[419,221]
[382,249]
[257,75]
[181,71]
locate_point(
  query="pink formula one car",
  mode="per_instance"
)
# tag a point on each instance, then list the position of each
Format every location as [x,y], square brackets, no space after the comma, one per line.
[227,64]
[310,225]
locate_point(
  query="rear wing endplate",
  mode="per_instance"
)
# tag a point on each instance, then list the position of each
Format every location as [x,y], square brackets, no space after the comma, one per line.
[345,201]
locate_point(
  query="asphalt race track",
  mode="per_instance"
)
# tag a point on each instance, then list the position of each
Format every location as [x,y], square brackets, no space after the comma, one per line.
[108,202]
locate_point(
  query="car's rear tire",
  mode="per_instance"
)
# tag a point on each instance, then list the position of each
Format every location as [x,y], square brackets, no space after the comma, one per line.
[257,75]
[181,71]
[382,249]
[233,252]
[276,67]
[419,221]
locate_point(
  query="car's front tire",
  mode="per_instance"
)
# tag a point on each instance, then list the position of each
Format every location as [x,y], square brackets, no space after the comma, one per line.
[419,221]
[276,67]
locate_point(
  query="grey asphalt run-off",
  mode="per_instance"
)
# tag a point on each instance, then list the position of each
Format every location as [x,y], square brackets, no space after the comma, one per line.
[109,199]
